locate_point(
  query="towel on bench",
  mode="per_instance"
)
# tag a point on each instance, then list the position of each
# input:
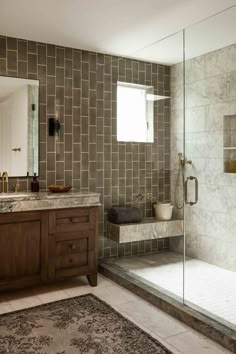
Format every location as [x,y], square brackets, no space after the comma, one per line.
[125,215]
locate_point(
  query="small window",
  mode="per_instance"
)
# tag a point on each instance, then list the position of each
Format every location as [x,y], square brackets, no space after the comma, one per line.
[134,112]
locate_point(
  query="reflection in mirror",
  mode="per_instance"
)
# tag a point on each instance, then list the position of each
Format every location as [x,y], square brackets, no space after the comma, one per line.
[19,137]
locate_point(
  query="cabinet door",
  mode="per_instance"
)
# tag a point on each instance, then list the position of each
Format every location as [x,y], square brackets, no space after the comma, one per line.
[21,242]
[72,242]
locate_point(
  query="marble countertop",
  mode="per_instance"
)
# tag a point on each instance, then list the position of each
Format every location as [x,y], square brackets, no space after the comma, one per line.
[24,201]
[5,197]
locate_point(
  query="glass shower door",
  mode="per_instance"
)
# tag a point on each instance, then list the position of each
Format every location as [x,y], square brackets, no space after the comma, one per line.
[210,168]
[151,172]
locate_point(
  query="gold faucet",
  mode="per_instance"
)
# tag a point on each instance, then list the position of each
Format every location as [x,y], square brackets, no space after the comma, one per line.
[4,182]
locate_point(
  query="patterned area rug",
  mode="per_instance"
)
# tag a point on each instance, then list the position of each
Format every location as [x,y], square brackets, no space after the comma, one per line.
[83,324]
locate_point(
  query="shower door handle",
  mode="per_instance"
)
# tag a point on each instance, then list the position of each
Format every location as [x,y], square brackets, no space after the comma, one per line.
[191,178]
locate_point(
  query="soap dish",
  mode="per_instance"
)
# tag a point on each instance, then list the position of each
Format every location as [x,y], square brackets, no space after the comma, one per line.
[59,188]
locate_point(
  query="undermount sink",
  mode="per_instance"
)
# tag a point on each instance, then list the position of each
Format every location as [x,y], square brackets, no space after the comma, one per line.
[12,195]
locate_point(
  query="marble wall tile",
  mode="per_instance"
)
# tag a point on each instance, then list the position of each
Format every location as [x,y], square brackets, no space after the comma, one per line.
[195,145]
[177,195]
[230,196]
[192,244]
[177,98]
[232,106]
[195,220]
[177,75]
[230,63]
[215,116]
[215,62]
[213,251]
[197,169]
[177,146]
[195,119]
[232,257]
[231,86]
[210,95]
[196,94]
[213,198]
[195,69]
[177,121]
[214,172]
[214,144]
[209,91]
[218,225]
[216,89]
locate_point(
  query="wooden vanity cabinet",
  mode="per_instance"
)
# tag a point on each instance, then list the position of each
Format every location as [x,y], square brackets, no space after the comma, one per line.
[23,248]
[44,246]
[73,244]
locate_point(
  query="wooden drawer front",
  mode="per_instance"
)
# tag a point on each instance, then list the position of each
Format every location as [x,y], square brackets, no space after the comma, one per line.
[69,220]
[10,218]
[71,260]
[72,246]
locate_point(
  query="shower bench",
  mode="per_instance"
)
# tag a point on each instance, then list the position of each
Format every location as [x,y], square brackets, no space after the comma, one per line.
[148,229]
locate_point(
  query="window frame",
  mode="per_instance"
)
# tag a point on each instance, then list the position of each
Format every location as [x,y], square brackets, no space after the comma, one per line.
[149,115]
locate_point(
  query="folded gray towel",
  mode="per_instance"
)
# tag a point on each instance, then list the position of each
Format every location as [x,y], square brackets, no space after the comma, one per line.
[125,215]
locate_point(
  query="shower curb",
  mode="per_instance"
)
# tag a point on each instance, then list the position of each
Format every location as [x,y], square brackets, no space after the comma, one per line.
[203,324]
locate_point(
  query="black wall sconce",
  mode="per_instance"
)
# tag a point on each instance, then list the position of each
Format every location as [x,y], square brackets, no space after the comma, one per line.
[54,126]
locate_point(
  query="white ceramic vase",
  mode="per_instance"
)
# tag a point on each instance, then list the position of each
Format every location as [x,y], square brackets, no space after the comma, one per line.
[163,211]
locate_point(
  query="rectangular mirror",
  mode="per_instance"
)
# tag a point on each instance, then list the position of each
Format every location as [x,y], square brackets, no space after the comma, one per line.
[19,126]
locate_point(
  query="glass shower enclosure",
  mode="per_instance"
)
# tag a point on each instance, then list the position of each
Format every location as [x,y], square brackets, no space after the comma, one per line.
[210,179]
[192,164]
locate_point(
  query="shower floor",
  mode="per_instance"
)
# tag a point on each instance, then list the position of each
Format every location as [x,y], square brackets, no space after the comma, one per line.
[208,288]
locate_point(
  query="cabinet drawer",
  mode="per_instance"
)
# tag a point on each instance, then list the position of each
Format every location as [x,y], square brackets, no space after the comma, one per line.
[71,260]
[69,220]
[72,246]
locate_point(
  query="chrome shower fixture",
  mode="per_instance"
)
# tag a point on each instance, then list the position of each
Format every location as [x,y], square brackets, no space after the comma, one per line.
[183,161]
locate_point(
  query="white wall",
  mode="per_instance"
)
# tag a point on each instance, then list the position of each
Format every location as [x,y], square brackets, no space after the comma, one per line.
[4,142]
[210,95]
[13,115]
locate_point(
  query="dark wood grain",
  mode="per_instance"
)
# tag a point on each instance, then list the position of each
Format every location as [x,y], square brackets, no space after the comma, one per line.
[73,242]
[48,245]
[19,249]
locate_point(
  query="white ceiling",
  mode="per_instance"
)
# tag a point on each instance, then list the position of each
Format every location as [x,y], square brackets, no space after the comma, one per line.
[8,85]
[206,36]
[119,27]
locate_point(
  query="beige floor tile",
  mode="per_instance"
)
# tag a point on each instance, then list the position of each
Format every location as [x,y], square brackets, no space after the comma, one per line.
[152,319]
[50,294]
[72,291]
[21,299]
[5,307]
[177,337]
[26,302]
[113,294]
[144,328]
[192,343]
[103,281]
[80,286]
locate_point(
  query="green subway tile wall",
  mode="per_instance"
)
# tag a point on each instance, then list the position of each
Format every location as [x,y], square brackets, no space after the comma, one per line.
[81,85]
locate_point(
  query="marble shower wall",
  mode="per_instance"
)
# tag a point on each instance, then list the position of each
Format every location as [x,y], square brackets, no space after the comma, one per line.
[81,85]
[210,95]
